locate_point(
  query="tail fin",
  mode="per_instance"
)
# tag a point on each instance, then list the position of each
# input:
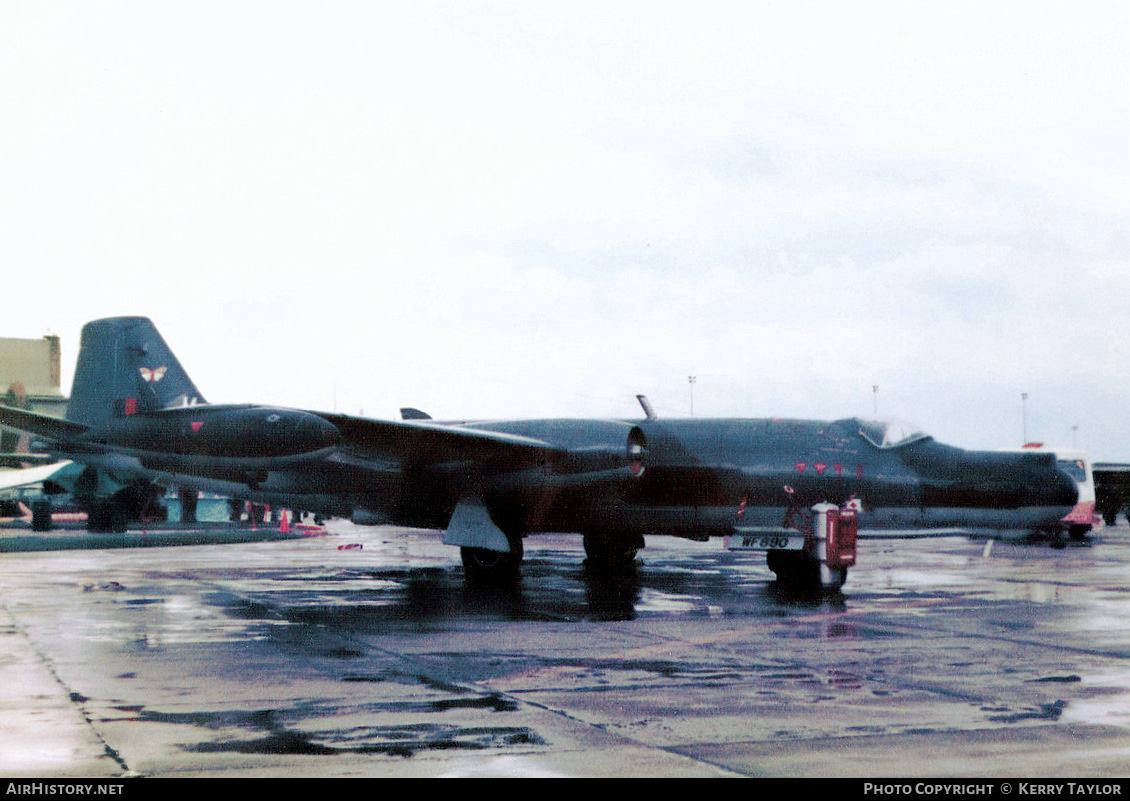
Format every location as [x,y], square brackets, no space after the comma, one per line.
[125,367]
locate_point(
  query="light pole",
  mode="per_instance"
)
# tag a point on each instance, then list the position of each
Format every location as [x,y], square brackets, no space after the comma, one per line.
[1024,415]
[690,381]
[875,391]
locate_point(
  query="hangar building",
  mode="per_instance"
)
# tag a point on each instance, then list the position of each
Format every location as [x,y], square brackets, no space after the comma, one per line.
[30,378]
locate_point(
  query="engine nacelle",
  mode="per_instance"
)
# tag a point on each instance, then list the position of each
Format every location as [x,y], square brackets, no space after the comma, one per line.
[233,432]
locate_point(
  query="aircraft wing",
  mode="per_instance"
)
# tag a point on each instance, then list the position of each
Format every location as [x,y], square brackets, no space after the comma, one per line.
[419,442]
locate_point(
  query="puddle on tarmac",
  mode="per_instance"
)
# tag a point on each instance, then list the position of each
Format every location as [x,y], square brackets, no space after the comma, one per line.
[299,730]
[405,741]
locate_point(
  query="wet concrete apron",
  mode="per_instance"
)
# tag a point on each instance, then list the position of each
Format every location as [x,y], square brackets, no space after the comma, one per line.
[941,657]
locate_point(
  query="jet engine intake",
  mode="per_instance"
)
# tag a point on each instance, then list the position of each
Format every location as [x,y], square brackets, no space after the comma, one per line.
[636,451]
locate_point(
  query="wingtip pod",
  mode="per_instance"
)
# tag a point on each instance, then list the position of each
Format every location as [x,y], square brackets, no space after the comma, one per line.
[125,366]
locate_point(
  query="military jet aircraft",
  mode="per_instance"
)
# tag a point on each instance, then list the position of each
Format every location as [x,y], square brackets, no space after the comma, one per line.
[135,417]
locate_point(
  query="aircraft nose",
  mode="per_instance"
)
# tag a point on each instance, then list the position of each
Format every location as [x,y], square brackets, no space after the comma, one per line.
[1011,480]
[1048,485]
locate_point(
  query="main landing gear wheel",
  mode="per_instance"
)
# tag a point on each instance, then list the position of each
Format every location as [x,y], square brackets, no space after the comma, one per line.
[108,517]
[611,555]
[41,515]
[839,576]
[492,567]
[796,570]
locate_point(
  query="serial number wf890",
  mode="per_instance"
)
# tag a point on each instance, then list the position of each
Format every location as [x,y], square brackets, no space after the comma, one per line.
[765,539]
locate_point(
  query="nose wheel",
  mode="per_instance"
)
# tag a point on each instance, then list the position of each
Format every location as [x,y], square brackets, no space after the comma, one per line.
[800,571]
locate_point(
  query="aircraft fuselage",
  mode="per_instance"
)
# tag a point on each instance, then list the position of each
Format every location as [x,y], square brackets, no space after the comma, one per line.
[699,477]
[692,478]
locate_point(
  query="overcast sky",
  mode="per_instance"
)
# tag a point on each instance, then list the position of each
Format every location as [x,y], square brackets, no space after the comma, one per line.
[493,209]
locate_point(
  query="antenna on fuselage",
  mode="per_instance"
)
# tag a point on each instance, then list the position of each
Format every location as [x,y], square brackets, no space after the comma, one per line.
[647,408]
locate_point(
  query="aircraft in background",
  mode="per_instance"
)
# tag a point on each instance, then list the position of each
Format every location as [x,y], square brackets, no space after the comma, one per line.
[44,488]
[30,489]
[137,419]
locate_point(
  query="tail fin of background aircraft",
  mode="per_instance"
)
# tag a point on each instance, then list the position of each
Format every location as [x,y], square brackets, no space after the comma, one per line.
[125,367]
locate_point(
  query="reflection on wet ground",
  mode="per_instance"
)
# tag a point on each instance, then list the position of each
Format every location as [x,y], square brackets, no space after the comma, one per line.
[550,589]
[185,659]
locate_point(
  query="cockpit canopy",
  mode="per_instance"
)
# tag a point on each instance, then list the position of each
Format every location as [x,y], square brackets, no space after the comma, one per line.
[887,434]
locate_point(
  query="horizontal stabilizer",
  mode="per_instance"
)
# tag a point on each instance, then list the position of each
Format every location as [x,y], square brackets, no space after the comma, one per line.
[17,461]
[40,425]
